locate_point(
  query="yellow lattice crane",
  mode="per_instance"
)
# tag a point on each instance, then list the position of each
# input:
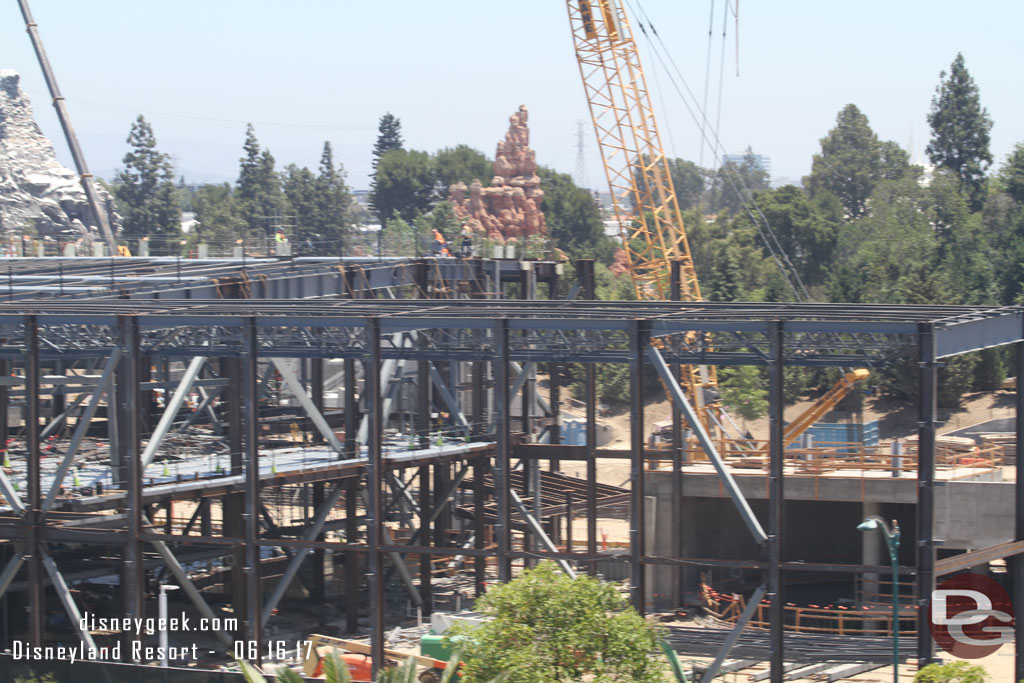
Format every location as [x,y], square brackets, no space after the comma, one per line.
[640,181]
[643,197]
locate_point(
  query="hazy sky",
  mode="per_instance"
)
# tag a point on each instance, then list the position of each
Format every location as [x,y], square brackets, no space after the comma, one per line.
[454,70]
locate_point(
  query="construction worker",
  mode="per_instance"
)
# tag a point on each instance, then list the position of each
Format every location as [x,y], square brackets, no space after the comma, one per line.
[467,240]
[438,247]
[279,236]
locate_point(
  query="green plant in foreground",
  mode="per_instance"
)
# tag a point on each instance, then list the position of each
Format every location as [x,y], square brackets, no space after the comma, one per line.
[952,672]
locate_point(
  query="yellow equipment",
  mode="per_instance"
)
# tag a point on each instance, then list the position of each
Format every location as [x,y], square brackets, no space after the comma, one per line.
[824,404]
[640,181]
[635,164]
[123,250]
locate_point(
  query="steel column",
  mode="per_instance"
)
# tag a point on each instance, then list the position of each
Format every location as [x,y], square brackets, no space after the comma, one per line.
[374,509]
[33,513]
[133,575]
[927,411]
[1017,563]
[679,585]
[352,571]
[640,338]
[585,273]
[426,538]
[776,499]
[503,528]
[250,394]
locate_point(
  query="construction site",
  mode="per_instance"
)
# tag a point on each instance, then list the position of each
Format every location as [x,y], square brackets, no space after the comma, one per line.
[286,452]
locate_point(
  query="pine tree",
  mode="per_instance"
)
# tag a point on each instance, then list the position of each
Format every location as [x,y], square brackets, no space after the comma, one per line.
[390,136]
[145,190]
[334,199]
[960,131]
[262,202]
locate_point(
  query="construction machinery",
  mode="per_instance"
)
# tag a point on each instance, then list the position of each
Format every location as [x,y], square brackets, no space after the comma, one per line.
[356,656]
[642,192]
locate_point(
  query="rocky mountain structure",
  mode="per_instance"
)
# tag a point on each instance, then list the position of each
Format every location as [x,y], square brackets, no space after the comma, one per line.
[39,196]
[511,205]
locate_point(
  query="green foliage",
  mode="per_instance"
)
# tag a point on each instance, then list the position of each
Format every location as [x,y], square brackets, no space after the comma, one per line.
[743,391]
[403,673]
[546,628]
[33,677]
[403,184]
[1011,175]
[286,675]
[688,179]
[261,201]
[145,191]
[335,669]
[952,672]
[573,218]
[735,184]
[250,672]
[333,213]
[219,214]
[960,131]
[389,136]
[462,164]
[853,161]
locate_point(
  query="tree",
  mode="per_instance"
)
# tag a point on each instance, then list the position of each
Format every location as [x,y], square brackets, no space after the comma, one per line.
[403,184]
[1011,175]
[260,197]
[960,131]
[545,627]
[463,164]
[389,137]
[573,218]
[145,189]
[952,672]
[743,391]
[736,183]
[302,192]
[219,215]
[688,181]
[853,161]
[333,199]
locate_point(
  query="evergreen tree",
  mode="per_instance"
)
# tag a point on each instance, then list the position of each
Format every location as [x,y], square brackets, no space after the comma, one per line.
[1011,175]
[461,164]
[263,206]
[573,219]
[389,137]
[404,184]
[301,191]
[852,162]
[960,131]
[219,215]
[735,184]
[145,190]
[333,199]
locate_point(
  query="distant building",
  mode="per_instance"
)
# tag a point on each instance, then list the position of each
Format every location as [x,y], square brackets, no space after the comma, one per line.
[760,160]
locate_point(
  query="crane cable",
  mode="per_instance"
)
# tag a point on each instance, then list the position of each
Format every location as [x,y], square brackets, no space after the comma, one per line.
[763,226]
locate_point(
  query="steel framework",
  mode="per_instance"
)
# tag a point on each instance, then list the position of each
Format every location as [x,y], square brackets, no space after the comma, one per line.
[464,354]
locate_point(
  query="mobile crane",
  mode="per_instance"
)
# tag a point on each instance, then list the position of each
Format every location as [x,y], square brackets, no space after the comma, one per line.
[639,177]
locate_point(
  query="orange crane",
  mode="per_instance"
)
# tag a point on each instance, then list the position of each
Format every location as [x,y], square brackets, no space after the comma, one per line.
[643,196]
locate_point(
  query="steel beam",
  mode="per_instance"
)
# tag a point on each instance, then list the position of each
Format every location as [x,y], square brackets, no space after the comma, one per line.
[538,532]
[448,397]
[734,635]
[927,410]
[776,500]
[300,554]
[639,341]
[250,516]
[307,404]
[683,404]
[133,575]
[503,527]
[33,514]
[64,594]
[82,427]
[1017,563]
[172,408]
[10,571]
[374,509]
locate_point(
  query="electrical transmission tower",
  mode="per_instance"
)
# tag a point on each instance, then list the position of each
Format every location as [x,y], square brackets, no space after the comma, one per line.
[581,161]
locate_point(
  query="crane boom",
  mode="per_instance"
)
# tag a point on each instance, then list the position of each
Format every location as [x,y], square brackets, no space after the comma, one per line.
[639,178]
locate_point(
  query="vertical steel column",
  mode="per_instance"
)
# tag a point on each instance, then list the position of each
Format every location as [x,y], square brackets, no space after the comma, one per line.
[352,560]
[5,371]
[555,395]
[351,413]
[927,422]
[128,405]
[480,562]
[502,529]
[316,392]
[251,515]
[640,339]
[319,585]
[426,511]
[776,498]
[528,291]
[678,589]
[33,515]
[374,474]
[585,273]
[1018,560]
[233,504]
